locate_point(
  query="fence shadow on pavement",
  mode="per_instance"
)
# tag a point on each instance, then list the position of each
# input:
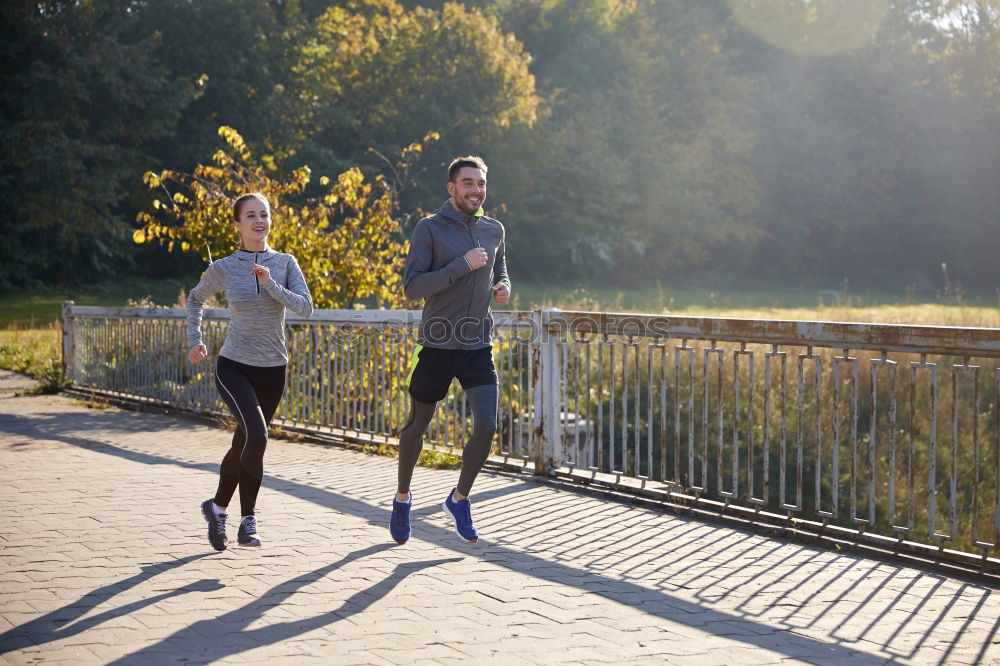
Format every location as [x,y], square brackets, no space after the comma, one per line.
[684,554]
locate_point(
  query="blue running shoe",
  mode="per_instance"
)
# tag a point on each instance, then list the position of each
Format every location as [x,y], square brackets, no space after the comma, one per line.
[461,515]
[247,535]
[399,524]
[216,525]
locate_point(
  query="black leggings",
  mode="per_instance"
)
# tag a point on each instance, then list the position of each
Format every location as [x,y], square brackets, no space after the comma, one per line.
[252,395]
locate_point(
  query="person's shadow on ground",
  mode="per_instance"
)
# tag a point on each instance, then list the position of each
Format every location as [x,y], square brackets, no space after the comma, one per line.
[230,628]
[59,623]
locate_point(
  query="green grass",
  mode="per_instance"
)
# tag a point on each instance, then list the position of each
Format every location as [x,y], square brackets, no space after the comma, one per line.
[36,310]
[659,298]
[944,309]
[35,353]
[40,307]
[49,337]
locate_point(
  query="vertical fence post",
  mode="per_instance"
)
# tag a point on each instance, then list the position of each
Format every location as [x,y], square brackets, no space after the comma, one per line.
[548,451]
[68,340]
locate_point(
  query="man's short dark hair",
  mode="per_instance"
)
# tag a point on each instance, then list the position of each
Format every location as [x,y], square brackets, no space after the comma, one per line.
[467,161]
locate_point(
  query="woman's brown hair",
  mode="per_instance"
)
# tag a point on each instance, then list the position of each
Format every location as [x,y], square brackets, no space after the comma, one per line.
[238,204]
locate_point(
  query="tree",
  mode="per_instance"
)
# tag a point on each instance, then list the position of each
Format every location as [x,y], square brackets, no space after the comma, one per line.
[640,165]
[345,241]
[874,163]
[813,27]
[76,123]
[371,73]
[238,56]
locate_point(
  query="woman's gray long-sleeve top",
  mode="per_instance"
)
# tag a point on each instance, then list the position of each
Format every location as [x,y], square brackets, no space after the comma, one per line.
[256,334]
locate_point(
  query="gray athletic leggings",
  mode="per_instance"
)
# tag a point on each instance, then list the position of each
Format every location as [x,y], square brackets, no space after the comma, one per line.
[483,400]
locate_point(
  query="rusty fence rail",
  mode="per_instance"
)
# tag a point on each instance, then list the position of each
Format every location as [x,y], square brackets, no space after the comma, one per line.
[883,433]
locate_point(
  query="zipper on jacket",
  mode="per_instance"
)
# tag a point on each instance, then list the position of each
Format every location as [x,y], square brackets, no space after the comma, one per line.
[472,297]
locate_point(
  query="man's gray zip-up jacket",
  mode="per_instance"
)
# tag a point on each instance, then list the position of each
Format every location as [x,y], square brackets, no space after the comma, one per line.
[456,298]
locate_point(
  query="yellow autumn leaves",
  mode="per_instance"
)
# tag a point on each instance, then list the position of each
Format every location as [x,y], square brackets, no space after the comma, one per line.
[346,240]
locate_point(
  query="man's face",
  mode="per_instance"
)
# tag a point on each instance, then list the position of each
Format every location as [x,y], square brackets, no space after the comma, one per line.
[468,189]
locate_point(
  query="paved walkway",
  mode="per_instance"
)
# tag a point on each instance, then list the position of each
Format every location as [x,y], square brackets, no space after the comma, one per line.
[103,559]
[12,382]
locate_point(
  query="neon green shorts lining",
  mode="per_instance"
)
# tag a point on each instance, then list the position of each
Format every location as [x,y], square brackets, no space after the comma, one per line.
[413,364]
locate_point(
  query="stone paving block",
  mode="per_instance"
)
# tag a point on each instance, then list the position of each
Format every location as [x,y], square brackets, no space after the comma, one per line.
[427,652]
[556,578]
[69,654]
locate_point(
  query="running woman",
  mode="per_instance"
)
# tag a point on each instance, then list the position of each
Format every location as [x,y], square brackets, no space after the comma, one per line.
[250,372]
[456,263]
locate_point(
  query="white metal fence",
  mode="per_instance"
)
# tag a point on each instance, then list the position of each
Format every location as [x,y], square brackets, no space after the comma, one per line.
[876,432]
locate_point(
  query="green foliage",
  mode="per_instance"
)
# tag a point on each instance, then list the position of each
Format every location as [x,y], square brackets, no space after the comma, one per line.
[236,57]
[92,403]
[289,436]
[13,357]
[819,27]
[345,240]
[644,141]
[51,377]
[394,74]
[439,459]
[77,120]
[371,74]
[629,139]
[37,359]
[432,458]
[870,162]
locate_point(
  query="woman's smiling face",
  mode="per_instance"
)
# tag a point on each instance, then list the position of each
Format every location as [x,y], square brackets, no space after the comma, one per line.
[254,223]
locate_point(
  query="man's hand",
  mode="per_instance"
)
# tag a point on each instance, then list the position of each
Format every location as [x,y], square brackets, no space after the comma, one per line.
[501,292]
[476,257]
[197,353]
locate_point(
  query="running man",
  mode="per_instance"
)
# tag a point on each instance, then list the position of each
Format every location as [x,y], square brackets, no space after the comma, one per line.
[456,264]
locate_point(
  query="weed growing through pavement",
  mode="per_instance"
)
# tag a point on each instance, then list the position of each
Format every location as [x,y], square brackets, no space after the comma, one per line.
[428,457]
[280,433]
[38,360]
[91,403]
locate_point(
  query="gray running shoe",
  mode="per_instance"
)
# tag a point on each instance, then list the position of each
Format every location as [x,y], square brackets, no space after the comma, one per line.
[216,525]
[247,535]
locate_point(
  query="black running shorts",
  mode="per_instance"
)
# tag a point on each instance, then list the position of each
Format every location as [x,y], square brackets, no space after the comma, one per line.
[431,371]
